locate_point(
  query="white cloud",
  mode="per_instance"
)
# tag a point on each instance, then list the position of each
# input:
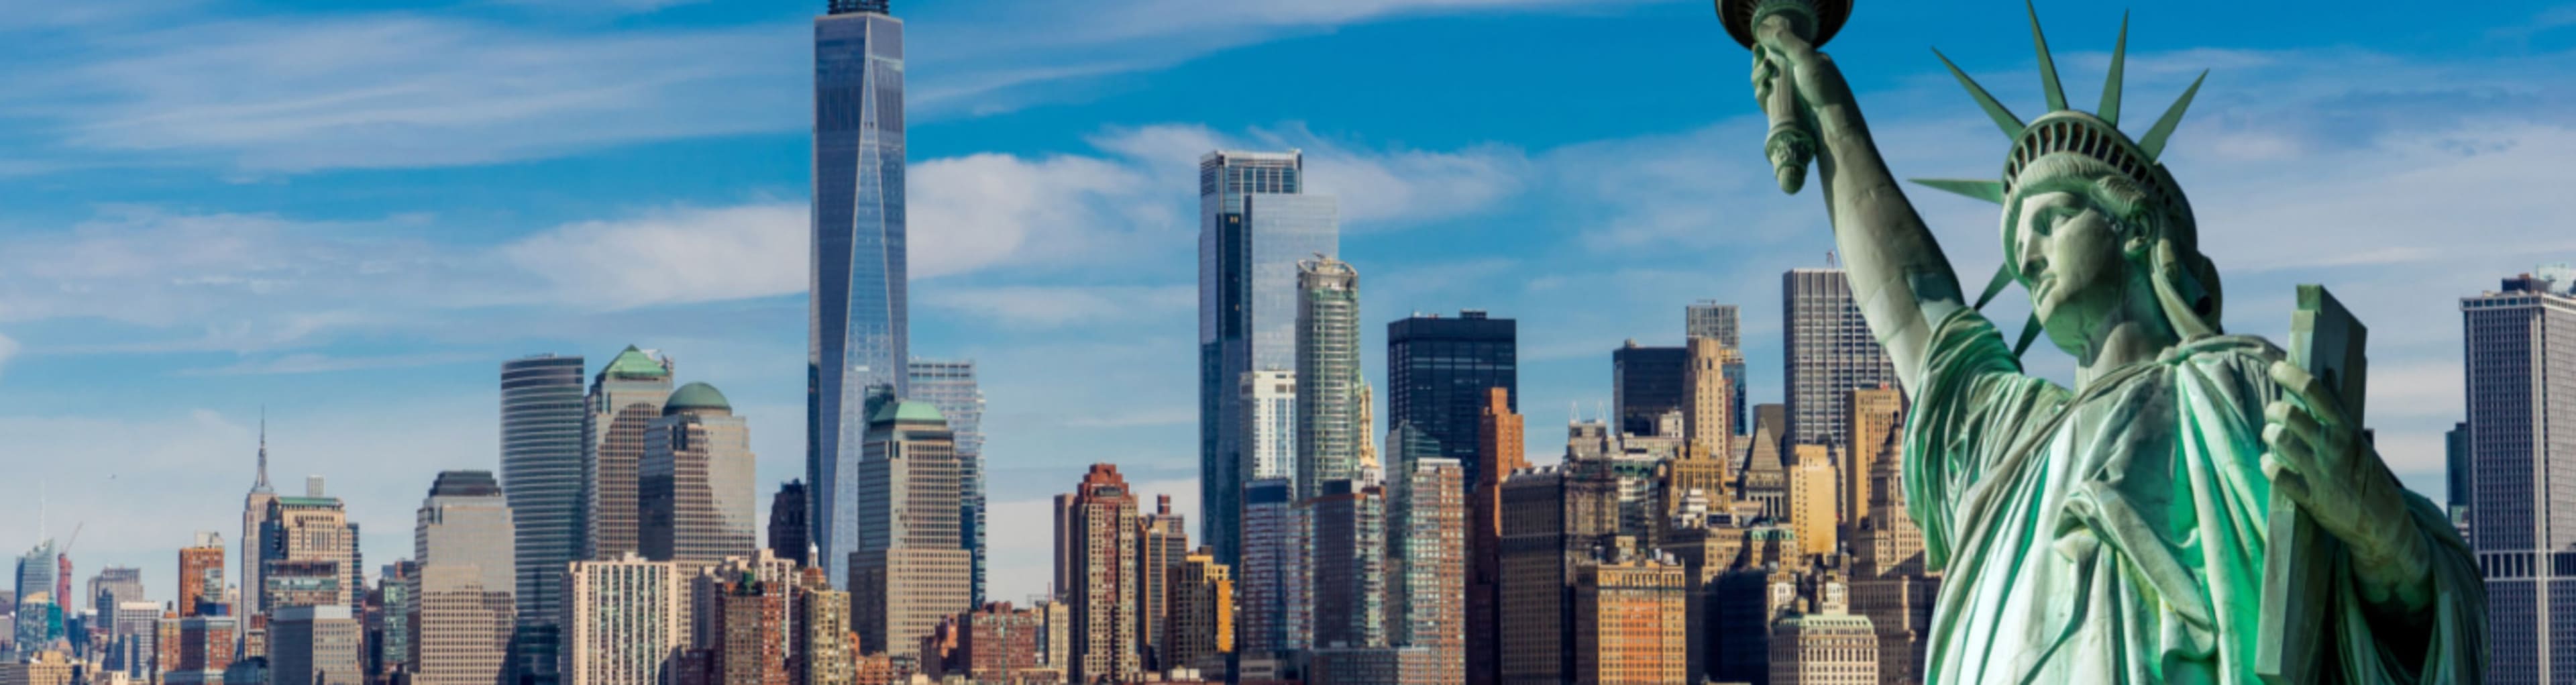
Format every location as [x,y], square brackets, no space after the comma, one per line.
[306,362]
[679,255]
[1017,52]
[395,90]
[982,210]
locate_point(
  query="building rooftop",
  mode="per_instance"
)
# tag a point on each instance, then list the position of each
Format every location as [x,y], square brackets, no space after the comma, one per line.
[635,362]
[905,411]
[465,484]
[859,6]
[696,396]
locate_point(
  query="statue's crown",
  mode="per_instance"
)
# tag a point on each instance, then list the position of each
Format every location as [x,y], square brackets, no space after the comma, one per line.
[2065,130]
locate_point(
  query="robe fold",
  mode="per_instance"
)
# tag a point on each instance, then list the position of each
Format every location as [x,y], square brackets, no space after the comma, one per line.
[2116,535]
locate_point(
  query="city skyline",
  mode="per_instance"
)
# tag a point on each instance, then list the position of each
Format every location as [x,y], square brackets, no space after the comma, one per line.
[324,371]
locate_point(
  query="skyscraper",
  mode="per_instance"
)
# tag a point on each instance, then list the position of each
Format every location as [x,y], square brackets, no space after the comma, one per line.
[1255,224]
[1269,409]
[1646,383]
[1327,339]
[254,543]
[112,586]
[1349,563]
[625,398]
[908,570]
[696,481]
[38,615]
[464,541]
[1708,319]
[1272,584]
[788,525]
[1499,454]
[1438,371]
[201,574]
[315,645]
[1708,395]
[1426,606]
[1872,417]
[1629,624]
[622,621]
[1826,352]
[1201,620]
[1813,491]
[824,648]
[1890,582]
[858,308]
[302,532]
[1163,539]
[1536,643]
[951,386]
[1097,542]
[541,476]
[2520,344]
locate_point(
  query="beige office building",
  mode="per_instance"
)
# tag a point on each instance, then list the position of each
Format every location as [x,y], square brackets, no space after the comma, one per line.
[698,503]
[623,621]
[465,545]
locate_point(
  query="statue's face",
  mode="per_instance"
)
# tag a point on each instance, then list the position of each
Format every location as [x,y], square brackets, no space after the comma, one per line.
[2070,257]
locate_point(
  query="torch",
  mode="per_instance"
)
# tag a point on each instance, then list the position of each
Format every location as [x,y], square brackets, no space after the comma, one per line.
[1791,146]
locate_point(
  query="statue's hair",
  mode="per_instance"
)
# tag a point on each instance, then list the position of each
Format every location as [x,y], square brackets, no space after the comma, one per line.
[2166,238]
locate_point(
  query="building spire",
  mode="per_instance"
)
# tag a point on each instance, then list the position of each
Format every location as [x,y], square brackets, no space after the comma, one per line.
[262,485]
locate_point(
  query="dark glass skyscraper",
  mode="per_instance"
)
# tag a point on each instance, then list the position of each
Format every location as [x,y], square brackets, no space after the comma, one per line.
[1439,372]
[1255,224]
[1645,382]
[541,423]
[858,314]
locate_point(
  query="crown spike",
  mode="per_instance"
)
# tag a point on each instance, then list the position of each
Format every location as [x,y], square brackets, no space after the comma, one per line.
[2029,333]
[2154,142]
[2110,111]
[1990,191]
[2004,118]
[2047,65]
[1995,286]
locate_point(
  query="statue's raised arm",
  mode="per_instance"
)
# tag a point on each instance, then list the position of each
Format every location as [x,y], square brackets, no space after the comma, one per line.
[1898,274]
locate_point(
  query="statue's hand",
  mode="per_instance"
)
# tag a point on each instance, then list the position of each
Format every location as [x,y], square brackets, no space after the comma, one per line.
[2317,456]
[1786,73]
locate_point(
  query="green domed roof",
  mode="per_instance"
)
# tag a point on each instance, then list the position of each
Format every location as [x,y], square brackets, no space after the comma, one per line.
[635,362]
[904,411]
[695,396]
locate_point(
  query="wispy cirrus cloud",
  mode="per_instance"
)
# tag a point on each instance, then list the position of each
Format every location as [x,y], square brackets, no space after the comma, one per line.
[391,90]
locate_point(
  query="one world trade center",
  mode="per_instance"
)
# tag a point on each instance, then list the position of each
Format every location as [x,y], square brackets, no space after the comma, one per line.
[856,323]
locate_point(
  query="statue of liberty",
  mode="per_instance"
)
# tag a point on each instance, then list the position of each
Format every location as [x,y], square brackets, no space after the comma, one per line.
[2114,531]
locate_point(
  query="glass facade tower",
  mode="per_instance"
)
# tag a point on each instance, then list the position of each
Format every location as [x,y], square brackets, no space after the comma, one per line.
[857,316]
[541,419]
[1440,371]
[1255,224]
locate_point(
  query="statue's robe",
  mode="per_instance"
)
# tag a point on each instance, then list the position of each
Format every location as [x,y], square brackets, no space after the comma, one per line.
[2117,535]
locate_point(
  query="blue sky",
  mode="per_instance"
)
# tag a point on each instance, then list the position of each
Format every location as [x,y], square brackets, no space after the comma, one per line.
[353,212]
